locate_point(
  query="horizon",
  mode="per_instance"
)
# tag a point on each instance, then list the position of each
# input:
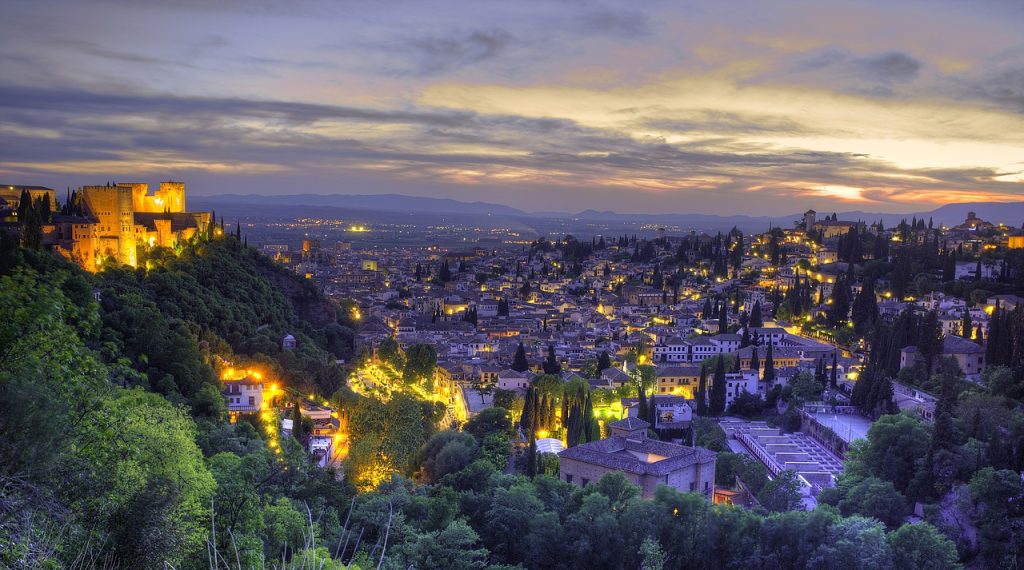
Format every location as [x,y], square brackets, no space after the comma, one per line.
[826,210]
[744,109]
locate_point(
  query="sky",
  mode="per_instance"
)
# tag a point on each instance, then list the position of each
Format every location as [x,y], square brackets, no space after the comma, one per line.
[738,107]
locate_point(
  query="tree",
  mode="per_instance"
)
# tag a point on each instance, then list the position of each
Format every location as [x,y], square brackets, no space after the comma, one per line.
[929,341]
[519,362]
[702,391]
[966,325]
[483,386]
[717,404]
[747,405]
[551,364]
[781,493]
[756,319]
[603,361]
[855,543]
[651,554]
[895,446]
[997,496]
[872,497]
[525,290]
[389,351]
[922,547]
[455,547]
[420,362]
[150,487]
[839,308]
[865,308]
[769,368]
[447,452]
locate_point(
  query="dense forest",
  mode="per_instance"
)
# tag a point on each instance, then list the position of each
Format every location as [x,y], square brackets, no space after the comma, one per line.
[116,452]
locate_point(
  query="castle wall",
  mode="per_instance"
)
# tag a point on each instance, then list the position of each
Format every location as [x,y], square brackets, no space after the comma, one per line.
[170,197]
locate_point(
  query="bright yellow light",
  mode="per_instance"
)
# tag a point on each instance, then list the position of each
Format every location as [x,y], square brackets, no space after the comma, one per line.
[543,433]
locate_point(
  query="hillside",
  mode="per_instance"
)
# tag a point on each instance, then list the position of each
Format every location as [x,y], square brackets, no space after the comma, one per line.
[116,451]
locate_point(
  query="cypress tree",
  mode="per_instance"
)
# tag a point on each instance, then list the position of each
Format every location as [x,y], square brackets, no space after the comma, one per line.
[966,326]
[526,419]
[592,431]
[723,318]
[717,406]
[835,369]
[531,457]
[641,402]
[519,363]
[702,391]
[603,361]
[551,365]
[929,340]
[755,361]
[756,320]
[840,307]
[707,312]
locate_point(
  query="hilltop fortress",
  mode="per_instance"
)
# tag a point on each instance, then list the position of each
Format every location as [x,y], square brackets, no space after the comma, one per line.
[114,220]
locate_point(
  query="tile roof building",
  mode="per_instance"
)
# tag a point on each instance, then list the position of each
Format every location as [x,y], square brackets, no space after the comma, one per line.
[644,462]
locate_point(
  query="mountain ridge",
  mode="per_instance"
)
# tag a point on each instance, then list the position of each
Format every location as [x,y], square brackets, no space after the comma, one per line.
[1011,213]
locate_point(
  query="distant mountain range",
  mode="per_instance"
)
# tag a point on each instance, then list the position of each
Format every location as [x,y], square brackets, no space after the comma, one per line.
[372,202]
[1010,213]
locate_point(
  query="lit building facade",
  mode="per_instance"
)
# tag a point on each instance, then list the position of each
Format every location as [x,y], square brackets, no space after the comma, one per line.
[115,220]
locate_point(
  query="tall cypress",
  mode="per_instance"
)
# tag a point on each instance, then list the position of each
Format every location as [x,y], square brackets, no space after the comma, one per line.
[702,392]
[769,368]
[717,406]
[519,362]
[756,319]
[641,402]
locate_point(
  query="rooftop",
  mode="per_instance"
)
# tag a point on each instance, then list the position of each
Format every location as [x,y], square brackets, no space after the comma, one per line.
[640,456]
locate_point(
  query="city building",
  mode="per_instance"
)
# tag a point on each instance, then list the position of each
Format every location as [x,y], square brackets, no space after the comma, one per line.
[644,462]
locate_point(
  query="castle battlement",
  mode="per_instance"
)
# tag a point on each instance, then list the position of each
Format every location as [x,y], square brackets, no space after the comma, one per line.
[116,219]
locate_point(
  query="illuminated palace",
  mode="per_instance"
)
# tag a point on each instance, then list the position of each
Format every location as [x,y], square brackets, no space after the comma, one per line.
[114,220]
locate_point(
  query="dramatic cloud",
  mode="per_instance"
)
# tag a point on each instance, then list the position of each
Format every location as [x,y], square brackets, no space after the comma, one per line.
[684,107]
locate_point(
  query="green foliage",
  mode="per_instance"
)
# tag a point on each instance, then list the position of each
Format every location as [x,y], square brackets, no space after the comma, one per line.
[922,547]
[855,543]
[781,493]
[447,452]
[489,421]
[871,497]
[896,446]
[420,361]
[709,435]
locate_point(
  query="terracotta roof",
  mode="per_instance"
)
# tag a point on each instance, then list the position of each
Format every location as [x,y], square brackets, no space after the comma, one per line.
[618,453]
[630,423]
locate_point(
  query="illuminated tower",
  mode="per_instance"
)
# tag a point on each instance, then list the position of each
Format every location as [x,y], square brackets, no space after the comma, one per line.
[171,197]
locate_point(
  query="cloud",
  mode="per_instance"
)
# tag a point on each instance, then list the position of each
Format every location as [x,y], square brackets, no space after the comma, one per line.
[874,74]
[890,66]
[671,105]
[616,23]
[434,55]
[139,133]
